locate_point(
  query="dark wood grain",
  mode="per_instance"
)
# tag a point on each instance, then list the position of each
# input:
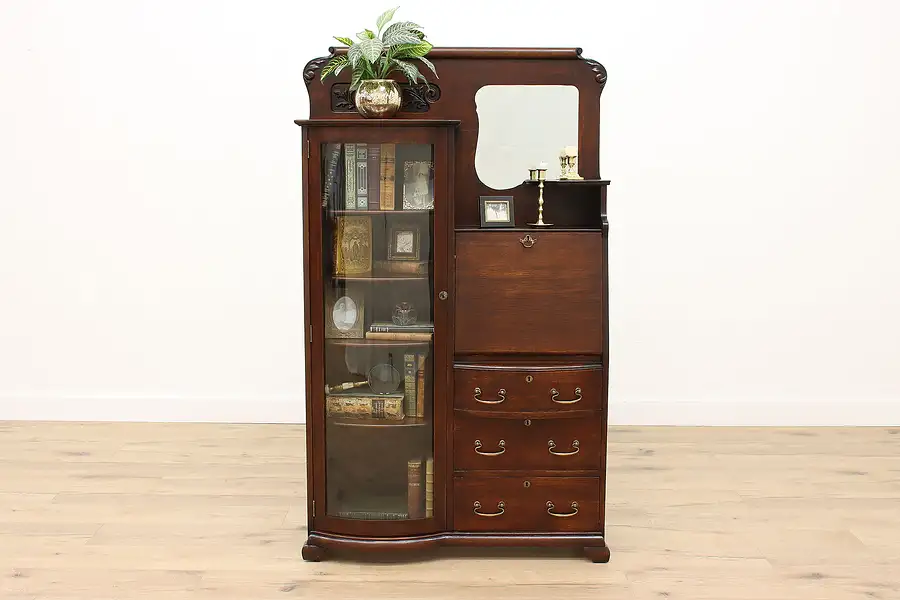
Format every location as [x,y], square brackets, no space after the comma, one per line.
[542,300]
[524,503]
[528,390]
[525,443]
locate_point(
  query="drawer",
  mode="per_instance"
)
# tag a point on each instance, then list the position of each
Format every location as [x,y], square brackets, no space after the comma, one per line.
[505,389]
[484,444]
[482,503]
[540,298]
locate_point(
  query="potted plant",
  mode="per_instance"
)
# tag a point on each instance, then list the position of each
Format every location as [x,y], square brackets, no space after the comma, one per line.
[376,56]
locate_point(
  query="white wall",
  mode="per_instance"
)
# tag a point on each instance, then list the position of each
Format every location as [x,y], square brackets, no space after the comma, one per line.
[150,250]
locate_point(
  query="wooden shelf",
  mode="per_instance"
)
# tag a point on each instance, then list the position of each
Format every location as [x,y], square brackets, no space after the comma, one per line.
[386,278]
[530,229]
[367,343]
[407,422]
[382,212]
[569,181]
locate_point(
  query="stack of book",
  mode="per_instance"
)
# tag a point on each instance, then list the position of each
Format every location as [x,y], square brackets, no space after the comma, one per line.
[366,404]
[419,498]
[385,330]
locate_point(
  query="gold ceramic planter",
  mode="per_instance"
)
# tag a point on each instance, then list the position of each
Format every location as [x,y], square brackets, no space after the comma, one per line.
[378,98]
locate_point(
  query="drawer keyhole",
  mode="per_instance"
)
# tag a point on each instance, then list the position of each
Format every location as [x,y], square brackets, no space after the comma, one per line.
[529,378]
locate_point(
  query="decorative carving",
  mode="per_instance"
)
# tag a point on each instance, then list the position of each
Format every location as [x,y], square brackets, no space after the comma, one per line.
[309,71]
[416,98]
[598,70]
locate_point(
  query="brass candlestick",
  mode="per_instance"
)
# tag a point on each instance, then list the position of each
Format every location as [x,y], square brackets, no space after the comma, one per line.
[541,176]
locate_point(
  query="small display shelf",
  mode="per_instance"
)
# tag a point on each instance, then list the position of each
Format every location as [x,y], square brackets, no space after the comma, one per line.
[568,181]
[405,423]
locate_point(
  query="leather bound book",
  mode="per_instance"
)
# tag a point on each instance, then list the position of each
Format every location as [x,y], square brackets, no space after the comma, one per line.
[414,488]
[420,388]
[429,488]
[409,382]
[388,152]
[362,177]
[349,177]
[374,174]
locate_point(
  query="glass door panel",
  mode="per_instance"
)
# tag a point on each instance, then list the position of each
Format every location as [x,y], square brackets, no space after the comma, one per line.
[378,272]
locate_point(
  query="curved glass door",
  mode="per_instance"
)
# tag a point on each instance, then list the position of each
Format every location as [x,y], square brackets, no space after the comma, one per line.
[378,281]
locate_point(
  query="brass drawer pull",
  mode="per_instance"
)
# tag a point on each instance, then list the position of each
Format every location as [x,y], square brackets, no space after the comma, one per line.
[554,394]
[501,443]
[501,394]
[528,241]
[551,445]
[501,508]
[550,512]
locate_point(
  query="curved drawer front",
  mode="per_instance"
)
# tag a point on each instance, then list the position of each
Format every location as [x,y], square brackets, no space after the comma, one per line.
[484,444]
[483,503]
[520,389]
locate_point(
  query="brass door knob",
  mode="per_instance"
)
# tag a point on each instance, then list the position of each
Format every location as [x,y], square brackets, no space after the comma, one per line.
[443,295]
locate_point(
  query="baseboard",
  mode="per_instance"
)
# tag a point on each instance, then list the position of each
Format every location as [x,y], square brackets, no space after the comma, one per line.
[149,409]
[761,413]
[285,409]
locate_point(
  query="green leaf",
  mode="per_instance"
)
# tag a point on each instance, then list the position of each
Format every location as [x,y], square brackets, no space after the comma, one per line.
[399,36]
[408,69]
[344,40]
[429,65]
[371,49]
[412,50]
[354,53]
[356,78]
[335,64]
[384,18]
[393,28]
[365,34]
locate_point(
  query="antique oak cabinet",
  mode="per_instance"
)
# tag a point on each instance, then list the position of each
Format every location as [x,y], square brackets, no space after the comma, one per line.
[456,375]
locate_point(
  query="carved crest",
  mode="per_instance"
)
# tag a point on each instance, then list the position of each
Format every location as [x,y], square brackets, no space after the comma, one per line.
[416,98]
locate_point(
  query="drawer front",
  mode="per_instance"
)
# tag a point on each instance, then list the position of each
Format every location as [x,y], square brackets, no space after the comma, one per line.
[487,503]
[520,389]
[541,298]
[485,444]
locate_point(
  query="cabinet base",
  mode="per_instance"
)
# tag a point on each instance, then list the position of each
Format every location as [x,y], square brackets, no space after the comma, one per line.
[593,545]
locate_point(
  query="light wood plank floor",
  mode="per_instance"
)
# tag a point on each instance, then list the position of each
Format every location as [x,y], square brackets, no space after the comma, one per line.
[177,511]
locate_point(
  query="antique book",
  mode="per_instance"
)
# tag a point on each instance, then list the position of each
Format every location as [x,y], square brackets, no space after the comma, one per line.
[429,488]
[390,327]
[373,507]
[402,267]
[349,176]
[330,176]
[409,383]
[415,174]
[352,245]
[387,176]
[420,388]
[362,177]
[414,488]
[400,336]
[374,173]
[359,405]
[371,515]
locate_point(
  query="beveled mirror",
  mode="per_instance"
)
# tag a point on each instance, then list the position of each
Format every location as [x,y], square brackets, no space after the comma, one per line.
[520,126]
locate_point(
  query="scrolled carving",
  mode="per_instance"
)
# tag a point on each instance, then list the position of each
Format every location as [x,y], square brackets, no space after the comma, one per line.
[312,67]
[414,98]
[598,70]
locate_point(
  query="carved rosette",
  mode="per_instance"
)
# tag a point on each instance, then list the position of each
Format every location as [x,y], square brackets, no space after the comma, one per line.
[416,98]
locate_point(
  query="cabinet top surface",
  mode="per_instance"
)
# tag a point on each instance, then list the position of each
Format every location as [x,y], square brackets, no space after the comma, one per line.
[398,122]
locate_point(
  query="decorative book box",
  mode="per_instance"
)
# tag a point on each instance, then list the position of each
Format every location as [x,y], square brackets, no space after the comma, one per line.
[456,374]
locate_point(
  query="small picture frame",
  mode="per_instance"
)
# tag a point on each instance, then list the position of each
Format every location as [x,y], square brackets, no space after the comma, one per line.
[497,211]
[404,242]
[345,315]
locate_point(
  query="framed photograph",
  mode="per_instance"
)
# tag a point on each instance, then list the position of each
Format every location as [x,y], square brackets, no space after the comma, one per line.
[345,315]
[497,211]
[404,242]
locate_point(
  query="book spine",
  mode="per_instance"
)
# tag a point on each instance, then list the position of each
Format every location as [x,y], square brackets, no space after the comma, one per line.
[414,488]
[386,201]
[362,176]
[333,156]
[374,173]
[400,329]
[420,388]
[349,176]
[399,336]
[409,381]
[390,409]
[429,488]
